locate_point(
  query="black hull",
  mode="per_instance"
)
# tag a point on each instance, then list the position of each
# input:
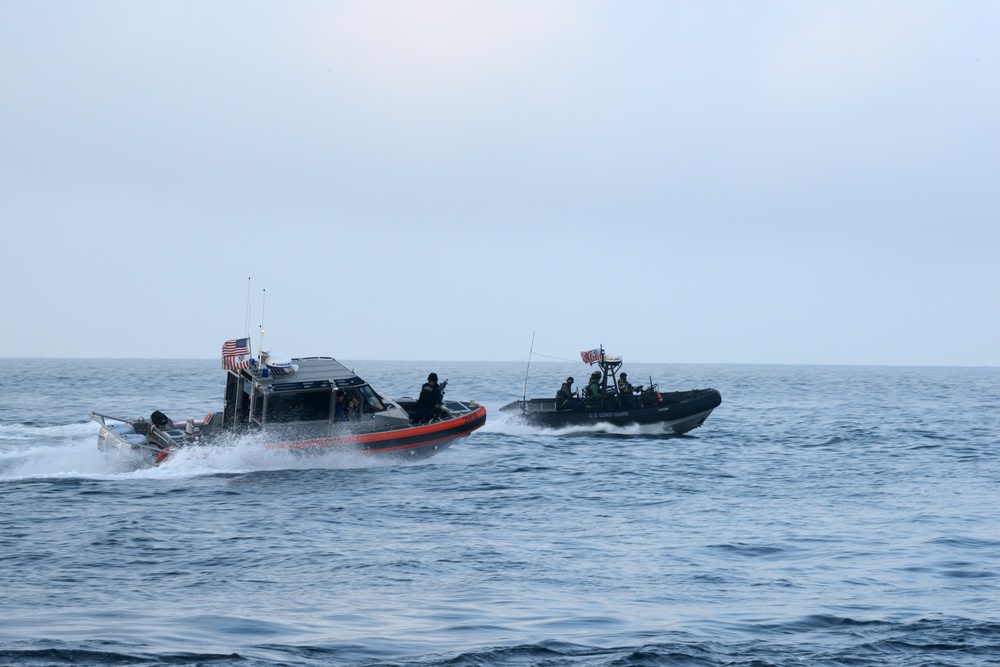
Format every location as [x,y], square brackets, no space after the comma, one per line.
[679,412]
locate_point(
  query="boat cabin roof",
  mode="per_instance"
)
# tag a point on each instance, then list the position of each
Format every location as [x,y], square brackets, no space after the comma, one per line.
[312,373]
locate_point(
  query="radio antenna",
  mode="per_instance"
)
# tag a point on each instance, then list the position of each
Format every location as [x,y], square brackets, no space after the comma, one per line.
[260,341]
[246,318]
[524,388]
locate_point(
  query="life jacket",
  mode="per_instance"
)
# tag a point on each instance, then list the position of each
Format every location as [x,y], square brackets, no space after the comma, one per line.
[429,396]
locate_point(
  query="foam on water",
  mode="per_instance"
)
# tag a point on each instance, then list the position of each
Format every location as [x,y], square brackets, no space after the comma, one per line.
[71,456]
[252,454]
[508,424]
[52,452]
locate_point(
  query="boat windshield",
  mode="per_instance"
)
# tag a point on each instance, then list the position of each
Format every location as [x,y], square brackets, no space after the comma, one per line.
[299,406]
[369,400]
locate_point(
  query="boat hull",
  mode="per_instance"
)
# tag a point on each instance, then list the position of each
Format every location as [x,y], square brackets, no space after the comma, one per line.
[400,442]
[678,412]
[411,442]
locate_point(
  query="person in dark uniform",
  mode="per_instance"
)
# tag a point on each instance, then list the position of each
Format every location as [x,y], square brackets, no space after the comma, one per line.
[340,407]
[566,397]
[428,401]
[626,392]
[596,400]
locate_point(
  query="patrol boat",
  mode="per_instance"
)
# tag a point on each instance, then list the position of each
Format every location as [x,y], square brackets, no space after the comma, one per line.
[676,411]
[309,404]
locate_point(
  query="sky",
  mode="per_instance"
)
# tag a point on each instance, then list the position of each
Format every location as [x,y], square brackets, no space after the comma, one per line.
[766,182]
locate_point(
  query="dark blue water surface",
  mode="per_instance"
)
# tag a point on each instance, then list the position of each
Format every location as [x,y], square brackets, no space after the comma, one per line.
[822,516]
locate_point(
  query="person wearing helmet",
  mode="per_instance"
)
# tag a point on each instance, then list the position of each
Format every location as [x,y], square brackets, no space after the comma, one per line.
[626,392]
[596,400]
[428,401]
[566,397]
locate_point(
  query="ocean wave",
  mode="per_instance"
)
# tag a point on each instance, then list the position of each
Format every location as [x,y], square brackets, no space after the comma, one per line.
[820,641]
[28,431]
[809,531]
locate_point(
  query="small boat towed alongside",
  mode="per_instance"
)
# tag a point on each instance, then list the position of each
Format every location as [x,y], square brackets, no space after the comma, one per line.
[676,411]
[312,404]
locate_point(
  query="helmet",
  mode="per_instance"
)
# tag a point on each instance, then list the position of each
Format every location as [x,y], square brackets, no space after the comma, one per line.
[624,375]
[569,380]
[433,377]
[595,374]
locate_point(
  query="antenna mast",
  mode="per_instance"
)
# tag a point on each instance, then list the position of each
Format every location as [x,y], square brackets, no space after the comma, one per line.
[524,387]
[246,318]
[260,341]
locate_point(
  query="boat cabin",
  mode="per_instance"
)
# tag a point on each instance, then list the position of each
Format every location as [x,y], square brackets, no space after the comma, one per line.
[307,390]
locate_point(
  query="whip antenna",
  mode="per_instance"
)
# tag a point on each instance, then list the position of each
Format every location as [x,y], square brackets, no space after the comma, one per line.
[260,341]
[246,318]
[524,387]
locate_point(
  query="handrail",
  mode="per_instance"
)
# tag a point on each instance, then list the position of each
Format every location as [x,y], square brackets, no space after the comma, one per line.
[99,418]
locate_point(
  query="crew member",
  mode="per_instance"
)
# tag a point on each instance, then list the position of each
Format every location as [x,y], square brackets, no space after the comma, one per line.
[340,407]
[428,401]
[566,397]
[596,399]
[625,391]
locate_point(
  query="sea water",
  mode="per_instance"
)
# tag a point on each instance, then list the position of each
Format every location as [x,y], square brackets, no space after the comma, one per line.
[821,516]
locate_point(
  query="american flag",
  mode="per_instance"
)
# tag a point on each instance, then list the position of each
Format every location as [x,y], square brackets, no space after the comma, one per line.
[590,356]
[236,354]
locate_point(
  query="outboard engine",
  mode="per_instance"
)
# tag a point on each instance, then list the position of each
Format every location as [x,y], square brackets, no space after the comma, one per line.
[160,420]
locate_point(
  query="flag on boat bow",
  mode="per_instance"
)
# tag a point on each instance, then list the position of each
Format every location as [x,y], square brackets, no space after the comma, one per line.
[236,354]
[590,356]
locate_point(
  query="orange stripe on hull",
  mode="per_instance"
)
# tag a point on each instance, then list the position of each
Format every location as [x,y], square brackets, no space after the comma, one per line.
[472,421]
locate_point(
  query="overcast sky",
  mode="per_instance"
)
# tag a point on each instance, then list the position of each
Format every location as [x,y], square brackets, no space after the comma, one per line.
[735,182]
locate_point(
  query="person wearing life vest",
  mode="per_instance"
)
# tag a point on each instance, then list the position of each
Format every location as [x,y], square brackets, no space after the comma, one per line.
[626,392]
[566,397]
[428,401]
[596,400]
